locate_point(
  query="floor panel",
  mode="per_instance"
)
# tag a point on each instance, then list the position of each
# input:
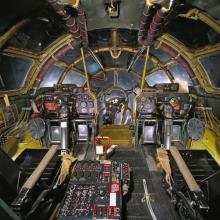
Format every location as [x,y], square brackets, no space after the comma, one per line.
[134,205]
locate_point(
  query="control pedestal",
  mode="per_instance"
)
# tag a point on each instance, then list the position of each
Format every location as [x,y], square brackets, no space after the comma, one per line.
[95,191]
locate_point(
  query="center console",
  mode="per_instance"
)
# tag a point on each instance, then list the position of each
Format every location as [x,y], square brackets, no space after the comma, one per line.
[95,191]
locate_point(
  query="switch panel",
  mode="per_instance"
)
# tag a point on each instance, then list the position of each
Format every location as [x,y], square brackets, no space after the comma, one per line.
[95,191]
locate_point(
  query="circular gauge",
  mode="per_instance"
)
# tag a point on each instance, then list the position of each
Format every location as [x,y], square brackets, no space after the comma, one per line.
[85,96]
[143,99]
[37,127]
[84,110]
[78,96]
[195,128]
[90,104]
[83,104]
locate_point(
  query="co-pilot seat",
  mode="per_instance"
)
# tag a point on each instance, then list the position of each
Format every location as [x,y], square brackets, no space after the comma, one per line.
[119,130]
[117,118]
[119,134]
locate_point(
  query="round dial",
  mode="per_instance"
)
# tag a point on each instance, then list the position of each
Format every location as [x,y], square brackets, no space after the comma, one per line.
[83,104]
[195,128]
[143,99]
[84,110]
[90,104]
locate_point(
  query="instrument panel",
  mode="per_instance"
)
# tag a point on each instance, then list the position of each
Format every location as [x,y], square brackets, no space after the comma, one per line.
[57,105]
[146,103]
[151,103]
[95,191]
[75,101]
[84,104]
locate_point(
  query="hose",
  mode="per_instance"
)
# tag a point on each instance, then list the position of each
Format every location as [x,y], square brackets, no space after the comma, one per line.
[147,197]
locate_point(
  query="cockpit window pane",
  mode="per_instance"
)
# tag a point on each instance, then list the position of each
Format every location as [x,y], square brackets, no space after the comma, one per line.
[139,65]
[13,71]
[157,78]
[71,55]
[123,59]
[180,74]
[74,78]
[127,81]
[211,65]
[106,59]
[92,66]
[163,57]
[52,76]
[101,85]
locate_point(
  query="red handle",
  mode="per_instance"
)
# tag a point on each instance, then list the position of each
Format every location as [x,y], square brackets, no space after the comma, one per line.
[99,138]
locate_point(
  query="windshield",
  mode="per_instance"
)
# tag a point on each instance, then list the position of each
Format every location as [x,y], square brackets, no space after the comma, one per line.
[13,71]
[211,65]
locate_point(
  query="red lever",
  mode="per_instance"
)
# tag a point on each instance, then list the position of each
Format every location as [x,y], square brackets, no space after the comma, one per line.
[99,138]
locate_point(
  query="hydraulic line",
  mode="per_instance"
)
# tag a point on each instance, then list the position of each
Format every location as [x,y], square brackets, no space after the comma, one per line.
[72,26]
[145,24]
[156,25]
[82,25]
[150,28]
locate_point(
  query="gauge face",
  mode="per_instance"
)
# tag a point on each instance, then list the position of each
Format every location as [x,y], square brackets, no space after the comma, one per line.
[84,110]
[79,97]
[90,104]
[143,99]
[195,128]
[83,104]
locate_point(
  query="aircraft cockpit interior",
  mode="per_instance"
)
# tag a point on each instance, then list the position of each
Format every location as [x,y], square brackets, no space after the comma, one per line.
[109,109]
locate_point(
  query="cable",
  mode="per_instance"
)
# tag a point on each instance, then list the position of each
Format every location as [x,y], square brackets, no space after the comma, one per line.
[147,196]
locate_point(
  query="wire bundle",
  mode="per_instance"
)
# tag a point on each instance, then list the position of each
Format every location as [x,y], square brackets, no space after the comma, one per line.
[212,122]
[19,126]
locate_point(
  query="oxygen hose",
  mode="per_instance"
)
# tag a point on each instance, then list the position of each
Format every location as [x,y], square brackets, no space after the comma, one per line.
[147,197]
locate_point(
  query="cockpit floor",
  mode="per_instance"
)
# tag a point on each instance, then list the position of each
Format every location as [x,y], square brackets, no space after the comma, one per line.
[135,207]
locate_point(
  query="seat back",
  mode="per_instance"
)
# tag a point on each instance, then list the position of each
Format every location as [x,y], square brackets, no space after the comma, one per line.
[119,134]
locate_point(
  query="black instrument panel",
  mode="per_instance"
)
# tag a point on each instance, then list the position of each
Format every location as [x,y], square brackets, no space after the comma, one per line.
[146,103]
[76,100]
[95,191]
[150,103]
[84,104]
